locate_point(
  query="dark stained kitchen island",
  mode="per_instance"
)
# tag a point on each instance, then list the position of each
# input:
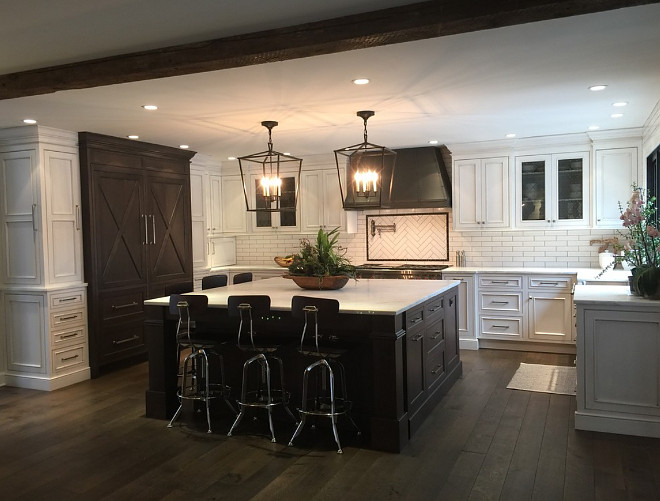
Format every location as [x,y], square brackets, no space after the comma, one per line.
[402,337]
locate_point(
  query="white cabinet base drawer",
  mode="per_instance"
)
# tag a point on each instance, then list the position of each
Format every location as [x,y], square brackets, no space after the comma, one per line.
[501,328]
[500,282]
[68,357]
[67,299]
[66,337]
[498,302]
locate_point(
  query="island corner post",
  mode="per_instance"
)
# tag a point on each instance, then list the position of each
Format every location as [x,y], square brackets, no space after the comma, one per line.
[399,368]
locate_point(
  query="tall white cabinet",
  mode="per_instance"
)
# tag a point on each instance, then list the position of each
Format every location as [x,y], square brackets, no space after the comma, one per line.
[44,329]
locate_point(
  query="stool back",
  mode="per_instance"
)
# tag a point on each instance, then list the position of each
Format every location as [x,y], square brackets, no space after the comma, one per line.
[315,311]
[213,281]
[248,308]
[240,278]
[187,307]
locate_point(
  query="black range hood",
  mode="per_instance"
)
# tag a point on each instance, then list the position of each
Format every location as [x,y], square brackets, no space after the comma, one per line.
[420,179]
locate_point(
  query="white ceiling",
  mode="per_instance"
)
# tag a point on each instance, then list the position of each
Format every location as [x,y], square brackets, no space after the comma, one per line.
[530,79]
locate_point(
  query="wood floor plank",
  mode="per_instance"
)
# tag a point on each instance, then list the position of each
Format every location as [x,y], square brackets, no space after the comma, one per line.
[92,442]
[551,471]
[519,483]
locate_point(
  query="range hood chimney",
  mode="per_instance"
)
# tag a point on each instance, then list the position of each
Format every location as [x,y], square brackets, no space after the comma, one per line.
[420,179]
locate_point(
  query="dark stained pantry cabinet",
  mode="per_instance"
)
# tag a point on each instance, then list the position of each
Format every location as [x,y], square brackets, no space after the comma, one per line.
[136,236]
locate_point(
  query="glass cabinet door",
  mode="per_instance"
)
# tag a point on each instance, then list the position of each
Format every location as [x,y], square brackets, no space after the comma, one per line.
[570,189]
[286,218]
[533,189]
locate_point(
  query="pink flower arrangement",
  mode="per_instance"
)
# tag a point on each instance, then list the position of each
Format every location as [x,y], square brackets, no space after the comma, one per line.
[642,241]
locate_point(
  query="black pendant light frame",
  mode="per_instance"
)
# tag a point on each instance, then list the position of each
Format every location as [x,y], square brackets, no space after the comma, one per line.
[379,159]
[270,163]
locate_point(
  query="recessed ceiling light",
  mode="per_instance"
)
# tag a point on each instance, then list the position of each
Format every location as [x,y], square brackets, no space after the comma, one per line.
[433,141]
[361,81]
[598,87]
[133,136]
[620,104]
[231,158]
[616,115]
[594,127]
[29,121]
[184,146]
[510,135]
[150,107]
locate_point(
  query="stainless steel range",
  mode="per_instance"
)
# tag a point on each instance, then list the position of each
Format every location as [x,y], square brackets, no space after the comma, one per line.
[405,271]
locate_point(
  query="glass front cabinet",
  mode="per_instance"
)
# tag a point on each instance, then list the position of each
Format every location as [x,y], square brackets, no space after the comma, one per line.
[553,190]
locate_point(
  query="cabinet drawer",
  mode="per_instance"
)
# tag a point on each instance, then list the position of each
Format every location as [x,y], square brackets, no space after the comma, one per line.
[122,304]
[564,283]
[501,327]
[500,281]
[68,357]
[67,299]
[435,333]
[414,316]
[509,303]
[65,319]
[122,340]
[435,366]
[69,336]
[434,308]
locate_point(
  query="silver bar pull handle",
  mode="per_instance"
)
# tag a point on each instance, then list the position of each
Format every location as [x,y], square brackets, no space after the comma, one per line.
[153,229]
[500,326]
[34,217]
[78,217]
[144,240]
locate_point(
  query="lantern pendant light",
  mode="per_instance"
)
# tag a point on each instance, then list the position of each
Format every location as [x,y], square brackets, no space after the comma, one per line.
[368,170]
[269,163]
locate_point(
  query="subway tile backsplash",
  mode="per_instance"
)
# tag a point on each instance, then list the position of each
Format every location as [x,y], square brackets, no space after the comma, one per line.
[515,248]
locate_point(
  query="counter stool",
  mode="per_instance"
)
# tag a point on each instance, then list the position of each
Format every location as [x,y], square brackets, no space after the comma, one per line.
[256,388]
[196,382]
[241,278]
[330,398]
[212,281]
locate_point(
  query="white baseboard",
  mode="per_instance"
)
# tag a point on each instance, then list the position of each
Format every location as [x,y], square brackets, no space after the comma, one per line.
[45,383]
[468,344]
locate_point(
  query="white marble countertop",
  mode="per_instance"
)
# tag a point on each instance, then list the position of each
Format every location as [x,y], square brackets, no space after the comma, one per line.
[583,274]
[611,295]
[364,296]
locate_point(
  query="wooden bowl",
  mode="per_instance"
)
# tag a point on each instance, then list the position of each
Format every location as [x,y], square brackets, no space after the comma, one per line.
[316,283]
[284,262]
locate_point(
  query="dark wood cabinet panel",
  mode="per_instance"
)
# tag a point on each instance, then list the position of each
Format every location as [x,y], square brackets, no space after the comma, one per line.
[137,237]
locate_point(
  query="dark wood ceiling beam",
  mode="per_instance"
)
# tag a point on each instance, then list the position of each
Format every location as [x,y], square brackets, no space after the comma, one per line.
[417,21]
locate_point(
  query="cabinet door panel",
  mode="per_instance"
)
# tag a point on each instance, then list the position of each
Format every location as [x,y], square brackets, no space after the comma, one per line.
[26,333]
[169,248]
[415,356]
[468,193]
[20,218]
[120,227]
[334,215]
[234,213]
[616,171]
[63,207]
[496,192]
[550,317]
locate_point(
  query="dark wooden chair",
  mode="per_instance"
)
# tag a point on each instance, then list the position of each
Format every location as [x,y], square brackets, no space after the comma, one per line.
[240,278]
[213,281]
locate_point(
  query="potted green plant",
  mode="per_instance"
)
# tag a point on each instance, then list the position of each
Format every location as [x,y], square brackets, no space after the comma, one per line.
[322,265]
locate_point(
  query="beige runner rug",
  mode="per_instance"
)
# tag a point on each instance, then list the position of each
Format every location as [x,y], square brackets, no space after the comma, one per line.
[545,379]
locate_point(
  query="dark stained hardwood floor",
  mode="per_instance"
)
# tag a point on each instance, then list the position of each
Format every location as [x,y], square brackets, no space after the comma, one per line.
[91,441]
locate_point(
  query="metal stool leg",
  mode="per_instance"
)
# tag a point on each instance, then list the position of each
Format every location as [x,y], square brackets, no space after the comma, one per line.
[241,403]
[303,407]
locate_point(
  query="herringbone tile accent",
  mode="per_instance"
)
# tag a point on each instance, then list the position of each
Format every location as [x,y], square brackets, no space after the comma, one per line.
[418,237]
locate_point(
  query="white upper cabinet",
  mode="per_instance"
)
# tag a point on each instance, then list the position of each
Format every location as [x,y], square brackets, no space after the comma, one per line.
[198,216]
[552,190]
[21,221]
[481,193]
[233,212]
[615,172]
[320,201]
[64,235]
[215,204]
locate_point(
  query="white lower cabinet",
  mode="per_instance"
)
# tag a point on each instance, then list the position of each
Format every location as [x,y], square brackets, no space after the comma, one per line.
[467,336]
[618,363]
[535,308]
[46,338]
